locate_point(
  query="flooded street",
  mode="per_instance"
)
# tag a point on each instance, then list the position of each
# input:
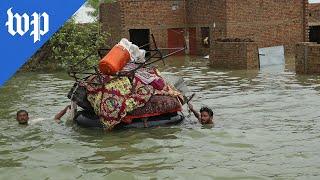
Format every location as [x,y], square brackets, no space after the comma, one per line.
[267,127]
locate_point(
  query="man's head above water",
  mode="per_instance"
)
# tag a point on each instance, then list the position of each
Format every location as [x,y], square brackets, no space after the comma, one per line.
[22,117]
[206,115]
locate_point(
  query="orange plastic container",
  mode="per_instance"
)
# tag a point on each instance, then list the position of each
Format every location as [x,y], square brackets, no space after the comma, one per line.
[114,61]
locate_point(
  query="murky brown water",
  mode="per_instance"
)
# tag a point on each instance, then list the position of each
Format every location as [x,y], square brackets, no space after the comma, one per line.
[267,127]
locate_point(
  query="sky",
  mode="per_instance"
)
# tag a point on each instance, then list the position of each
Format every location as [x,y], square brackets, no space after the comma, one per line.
[81,15]
[314,1]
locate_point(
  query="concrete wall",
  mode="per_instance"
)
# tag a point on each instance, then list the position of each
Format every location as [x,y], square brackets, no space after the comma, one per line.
[234,55]
[307,58]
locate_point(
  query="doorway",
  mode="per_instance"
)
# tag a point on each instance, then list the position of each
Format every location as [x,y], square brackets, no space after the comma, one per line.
[192,41]
[314,34]
[140,37]
[176,40]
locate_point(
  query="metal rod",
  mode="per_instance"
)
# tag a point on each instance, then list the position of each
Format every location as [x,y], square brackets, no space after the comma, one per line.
[171,48]
[190,98]
[165,56]
[144,45]
[155,45]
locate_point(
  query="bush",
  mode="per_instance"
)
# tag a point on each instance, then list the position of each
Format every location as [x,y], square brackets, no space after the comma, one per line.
[74,42]
[71,44]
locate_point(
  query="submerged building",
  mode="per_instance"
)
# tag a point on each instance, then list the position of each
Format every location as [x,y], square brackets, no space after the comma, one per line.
[198,23]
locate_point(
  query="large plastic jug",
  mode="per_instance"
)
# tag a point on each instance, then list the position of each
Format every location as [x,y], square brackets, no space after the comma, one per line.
[114,61]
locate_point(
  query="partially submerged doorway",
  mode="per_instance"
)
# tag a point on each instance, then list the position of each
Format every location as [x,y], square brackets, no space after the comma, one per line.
[314,34]
[192,41]
[176,40]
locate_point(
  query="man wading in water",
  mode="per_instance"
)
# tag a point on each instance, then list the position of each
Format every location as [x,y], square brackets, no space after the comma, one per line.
[205,116]
[23,116]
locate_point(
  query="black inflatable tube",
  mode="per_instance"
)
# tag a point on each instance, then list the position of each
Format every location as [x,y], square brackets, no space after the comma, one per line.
[90,120]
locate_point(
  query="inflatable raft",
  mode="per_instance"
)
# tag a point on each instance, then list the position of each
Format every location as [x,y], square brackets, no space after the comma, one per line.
[88,119]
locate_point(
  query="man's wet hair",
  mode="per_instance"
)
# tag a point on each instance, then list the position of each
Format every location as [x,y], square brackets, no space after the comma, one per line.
[22,111]
[208,110]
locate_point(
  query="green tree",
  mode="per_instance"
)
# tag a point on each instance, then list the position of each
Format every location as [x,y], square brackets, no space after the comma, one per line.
[73,42]
[70,45]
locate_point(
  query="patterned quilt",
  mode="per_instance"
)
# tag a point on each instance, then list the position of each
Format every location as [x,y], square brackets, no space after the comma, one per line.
[118,95]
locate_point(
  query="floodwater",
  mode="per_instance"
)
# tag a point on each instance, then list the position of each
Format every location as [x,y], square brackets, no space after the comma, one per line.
[267,127]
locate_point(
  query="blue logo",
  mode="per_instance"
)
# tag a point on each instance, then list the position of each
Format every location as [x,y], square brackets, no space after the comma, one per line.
[25,26]
[22,24]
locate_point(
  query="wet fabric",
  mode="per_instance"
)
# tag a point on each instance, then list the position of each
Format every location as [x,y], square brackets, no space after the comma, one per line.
[118,96]
[147,75]
[157,105]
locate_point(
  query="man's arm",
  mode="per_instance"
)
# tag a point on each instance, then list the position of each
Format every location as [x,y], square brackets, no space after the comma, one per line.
[58,116]
[196,114]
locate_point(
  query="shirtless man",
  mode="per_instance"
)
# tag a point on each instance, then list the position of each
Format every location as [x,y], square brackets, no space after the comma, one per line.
[23,116]
[205,116]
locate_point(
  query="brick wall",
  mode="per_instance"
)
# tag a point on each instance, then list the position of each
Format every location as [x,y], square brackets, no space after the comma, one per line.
[268,22]
[158,16]
[307,58]
[234,55]
[111,22]
[206,13]
[155,15]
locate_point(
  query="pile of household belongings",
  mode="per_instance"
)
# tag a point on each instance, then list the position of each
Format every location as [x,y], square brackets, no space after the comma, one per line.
[143,94]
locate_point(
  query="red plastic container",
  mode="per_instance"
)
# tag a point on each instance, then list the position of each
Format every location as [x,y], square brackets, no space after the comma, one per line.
[114,61]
